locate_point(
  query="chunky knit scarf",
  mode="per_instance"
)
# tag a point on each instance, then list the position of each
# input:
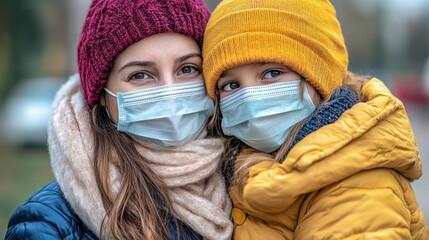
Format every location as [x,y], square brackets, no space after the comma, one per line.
[343,98]
[192,172]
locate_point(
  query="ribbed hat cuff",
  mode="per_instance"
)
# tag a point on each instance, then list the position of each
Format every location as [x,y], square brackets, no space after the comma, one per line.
[253,47]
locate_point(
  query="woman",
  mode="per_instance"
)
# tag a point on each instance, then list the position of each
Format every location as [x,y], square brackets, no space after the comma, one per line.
[313,152]
[127,137]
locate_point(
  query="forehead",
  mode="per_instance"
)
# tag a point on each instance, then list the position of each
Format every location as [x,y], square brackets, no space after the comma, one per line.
[159,46]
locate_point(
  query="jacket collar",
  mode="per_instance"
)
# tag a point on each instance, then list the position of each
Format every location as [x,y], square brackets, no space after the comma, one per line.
[372,134]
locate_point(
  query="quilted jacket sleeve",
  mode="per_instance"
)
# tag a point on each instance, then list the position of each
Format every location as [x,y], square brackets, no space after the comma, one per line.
[353,209]
[46,215]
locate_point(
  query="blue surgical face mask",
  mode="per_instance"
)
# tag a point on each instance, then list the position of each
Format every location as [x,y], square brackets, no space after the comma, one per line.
[169,115]
[263,116]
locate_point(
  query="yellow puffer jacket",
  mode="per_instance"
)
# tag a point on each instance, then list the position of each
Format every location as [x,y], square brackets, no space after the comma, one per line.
[347,180]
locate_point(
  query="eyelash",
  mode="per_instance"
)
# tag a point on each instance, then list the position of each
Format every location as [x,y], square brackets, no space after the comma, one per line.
[222,88]
[196,68]
[132,76]
[272,70]
[147,76]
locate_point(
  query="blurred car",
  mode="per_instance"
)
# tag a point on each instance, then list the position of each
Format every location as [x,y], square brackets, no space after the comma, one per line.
[26,112]
[410,90]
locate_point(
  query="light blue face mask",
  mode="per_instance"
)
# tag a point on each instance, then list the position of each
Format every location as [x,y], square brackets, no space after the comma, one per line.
[169,115]
[263,116]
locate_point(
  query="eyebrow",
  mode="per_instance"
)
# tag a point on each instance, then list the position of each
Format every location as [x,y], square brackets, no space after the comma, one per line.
[187,56]
[137,63]
[150,63]
[260,64]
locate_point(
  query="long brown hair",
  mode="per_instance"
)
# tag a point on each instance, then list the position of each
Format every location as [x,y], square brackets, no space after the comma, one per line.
[133,212]
[354,81]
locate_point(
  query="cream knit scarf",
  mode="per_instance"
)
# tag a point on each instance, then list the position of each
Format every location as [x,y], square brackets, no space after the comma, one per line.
[192,172]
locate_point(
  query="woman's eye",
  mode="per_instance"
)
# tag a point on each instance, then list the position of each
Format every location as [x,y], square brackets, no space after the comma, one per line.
[188,70]
[139,76]
[272,74]
[230,86]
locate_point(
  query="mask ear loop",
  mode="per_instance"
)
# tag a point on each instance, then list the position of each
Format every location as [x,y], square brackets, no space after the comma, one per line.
[110,92]
[318,101]
[110,118]
[107,110]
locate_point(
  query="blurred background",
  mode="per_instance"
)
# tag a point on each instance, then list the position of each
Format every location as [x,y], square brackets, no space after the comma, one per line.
[386,39]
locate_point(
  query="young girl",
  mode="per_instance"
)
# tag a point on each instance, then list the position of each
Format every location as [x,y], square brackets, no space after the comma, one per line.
[127,136]
[313,152]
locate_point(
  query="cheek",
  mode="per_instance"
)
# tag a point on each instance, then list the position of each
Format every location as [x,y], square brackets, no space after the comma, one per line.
[313,94]
[224,94]
[112,105]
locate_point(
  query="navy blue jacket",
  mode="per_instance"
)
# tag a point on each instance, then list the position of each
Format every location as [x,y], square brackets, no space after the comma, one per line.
[46,215]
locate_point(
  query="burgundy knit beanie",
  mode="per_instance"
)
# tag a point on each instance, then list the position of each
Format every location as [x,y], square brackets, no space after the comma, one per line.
[113,25]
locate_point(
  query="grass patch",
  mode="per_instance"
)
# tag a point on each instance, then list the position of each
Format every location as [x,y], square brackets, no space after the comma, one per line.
[23,171]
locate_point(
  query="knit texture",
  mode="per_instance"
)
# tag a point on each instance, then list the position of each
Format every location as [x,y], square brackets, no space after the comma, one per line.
[113,25]
[304,35]
[192,173]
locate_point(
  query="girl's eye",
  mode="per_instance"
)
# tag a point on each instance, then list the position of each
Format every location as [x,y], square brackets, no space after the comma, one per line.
[139,76]
[188,70]
[230,86]
[272,74]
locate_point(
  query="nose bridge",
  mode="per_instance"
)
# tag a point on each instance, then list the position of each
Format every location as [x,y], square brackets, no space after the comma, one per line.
[249,79]
[168,78]
[166,71]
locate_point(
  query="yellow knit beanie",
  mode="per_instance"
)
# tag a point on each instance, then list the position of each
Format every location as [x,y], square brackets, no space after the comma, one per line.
[304,35]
